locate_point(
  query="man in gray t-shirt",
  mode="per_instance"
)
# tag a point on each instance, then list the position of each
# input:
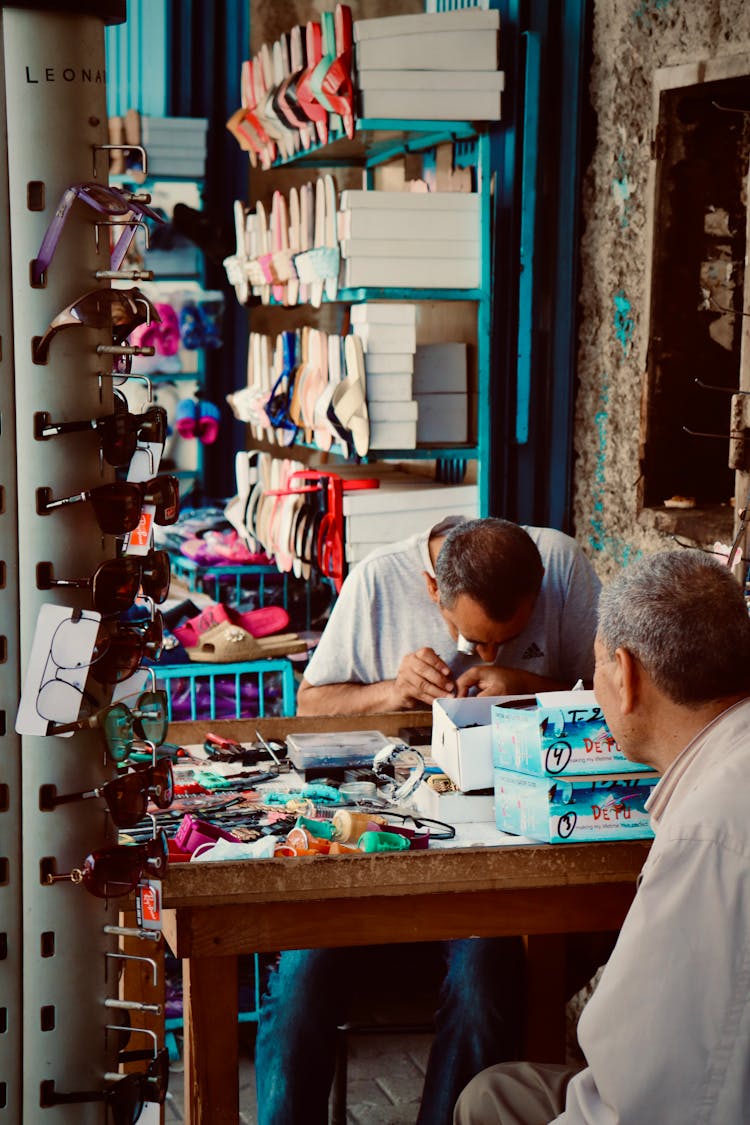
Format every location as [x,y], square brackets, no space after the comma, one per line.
[526,597]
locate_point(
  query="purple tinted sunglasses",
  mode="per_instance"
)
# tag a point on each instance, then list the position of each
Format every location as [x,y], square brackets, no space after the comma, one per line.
[104,200]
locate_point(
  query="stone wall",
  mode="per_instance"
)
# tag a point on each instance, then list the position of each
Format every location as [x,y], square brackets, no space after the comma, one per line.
[631,39]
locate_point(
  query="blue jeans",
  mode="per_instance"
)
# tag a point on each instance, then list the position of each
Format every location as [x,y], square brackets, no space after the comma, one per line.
[479,1022]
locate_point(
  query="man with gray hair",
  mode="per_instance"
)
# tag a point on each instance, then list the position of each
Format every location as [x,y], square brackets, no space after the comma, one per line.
[666,1035]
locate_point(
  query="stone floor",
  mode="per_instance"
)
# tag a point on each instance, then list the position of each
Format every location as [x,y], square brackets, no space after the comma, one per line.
[384,1081]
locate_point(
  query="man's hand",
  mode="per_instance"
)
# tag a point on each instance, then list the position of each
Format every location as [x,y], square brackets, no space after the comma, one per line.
[489,679]
[422,677]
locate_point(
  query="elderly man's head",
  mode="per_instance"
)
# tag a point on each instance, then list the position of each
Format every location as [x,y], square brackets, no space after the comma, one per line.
[488,576]
[682,617]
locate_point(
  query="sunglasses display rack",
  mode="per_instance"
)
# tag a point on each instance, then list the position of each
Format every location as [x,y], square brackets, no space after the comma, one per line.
[53,943]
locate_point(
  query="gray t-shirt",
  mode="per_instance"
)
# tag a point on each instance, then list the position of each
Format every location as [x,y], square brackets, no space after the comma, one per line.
[384,612]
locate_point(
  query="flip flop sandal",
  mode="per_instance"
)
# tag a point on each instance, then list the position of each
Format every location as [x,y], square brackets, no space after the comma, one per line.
[240,126]
[260,622]
[281,256]
[349,400]
[312,265]
[190,326]
[330,76]
[306,233]
[210,314]
[207,430]
[235,264]
[298,59]
[344,51]
[305,95]
[255,274]
[186,418]
[292,289]
[167,339]
[333,261]
[228,644]
[264,251]
[281,106]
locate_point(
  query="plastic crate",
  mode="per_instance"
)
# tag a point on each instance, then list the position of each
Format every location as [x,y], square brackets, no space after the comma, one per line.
[225,691]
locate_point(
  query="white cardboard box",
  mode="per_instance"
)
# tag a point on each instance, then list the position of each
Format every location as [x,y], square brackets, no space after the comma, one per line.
[440,368]
[455,808]
[383,312]
[389,363]
[462,739]
[394,387]
[442,418]
[391,338]
[393,411]
[393,435]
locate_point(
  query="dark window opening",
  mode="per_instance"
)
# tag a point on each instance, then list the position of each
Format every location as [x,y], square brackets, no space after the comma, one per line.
[700,221]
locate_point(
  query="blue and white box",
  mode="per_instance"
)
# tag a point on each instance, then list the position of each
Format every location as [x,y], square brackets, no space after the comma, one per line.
[565,733]
[574,809]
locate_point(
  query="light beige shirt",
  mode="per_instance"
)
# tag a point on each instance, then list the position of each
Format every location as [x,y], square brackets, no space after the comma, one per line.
[667,1033]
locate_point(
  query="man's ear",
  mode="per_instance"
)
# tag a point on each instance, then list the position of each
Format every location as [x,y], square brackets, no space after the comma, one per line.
[432,587]
[628,680]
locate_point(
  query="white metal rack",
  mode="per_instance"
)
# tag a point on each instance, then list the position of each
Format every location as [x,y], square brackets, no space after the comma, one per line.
[53,979]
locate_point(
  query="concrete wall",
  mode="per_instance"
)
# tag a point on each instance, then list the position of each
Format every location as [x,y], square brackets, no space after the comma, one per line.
[631,39]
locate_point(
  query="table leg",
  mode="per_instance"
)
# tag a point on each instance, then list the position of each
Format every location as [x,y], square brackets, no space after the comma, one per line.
[545,998]
[211,1050]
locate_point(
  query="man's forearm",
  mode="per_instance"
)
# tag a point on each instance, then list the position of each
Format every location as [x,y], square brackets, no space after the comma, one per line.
[347,699]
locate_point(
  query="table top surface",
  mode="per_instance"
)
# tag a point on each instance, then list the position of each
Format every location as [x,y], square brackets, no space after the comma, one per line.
[414,873]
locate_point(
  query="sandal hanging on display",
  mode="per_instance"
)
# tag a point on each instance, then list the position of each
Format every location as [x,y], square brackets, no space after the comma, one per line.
[349,399]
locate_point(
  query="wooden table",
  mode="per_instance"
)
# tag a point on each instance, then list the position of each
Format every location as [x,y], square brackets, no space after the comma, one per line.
[215,912]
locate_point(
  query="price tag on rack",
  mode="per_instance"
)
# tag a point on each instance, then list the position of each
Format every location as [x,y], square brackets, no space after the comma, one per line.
[139,541]
[148,904]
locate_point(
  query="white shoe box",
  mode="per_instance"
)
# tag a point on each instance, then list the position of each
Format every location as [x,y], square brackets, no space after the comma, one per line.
[442,418]
[386,337]
[383,312]
[393,411]
[440,368]
[389,363]
[389,388]
[393,435]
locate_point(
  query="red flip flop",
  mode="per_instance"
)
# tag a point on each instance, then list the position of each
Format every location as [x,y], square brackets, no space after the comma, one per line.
[260,622]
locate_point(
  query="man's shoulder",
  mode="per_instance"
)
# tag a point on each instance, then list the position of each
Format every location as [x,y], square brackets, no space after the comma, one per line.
[554,544]
[390,555]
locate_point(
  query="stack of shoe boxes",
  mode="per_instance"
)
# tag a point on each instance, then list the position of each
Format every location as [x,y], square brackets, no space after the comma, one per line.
[560,776]
[388,334]
[440,391]
[176,146]
[440,66]
[409,239]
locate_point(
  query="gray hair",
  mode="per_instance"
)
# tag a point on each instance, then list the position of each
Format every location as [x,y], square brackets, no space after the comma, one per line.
[493,561]
[683,615]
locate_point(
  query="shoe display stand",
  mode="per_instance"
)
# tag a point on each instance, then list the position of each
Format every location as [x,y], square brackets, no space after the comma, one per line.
[378,143]
[53,968]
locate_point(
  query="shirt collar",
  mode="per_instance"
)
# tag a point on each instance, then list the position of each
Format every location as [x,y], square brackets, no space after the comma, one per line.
[656,805]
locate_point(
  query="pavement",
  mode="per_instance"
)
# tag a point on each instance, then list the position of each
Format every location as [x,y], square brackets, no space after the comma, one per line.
[384,1080]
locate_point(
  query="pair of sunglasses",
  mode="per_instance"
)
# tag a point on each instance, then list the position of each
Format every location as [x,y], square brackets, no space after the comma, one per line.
[120,310]
[117,870]
[118,506]
[103,200]
[119,433]
[121,646]
[127,796]
[125,1096]
[115,583]
[121,726]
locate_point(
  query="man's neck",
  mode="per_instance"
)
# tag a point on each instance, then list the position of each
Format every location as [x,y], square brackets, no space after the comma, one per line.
[678,726]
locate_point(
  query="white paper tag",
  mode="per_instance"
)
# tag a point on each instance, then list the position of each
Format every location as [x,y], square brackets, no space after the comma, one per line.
[58,666]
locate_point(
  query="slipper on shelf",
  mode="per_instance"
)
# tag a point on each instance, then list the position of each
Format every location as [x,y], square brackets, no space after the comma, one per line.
[261,622]
[186,418]
[349,399]
[207,427]
[227,644]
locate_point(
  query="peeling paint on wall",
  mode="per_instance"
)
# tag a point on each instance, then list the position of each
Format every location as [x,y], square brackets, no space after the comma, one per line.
[599,539]
[623,321]
[622,189]
[648,8]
